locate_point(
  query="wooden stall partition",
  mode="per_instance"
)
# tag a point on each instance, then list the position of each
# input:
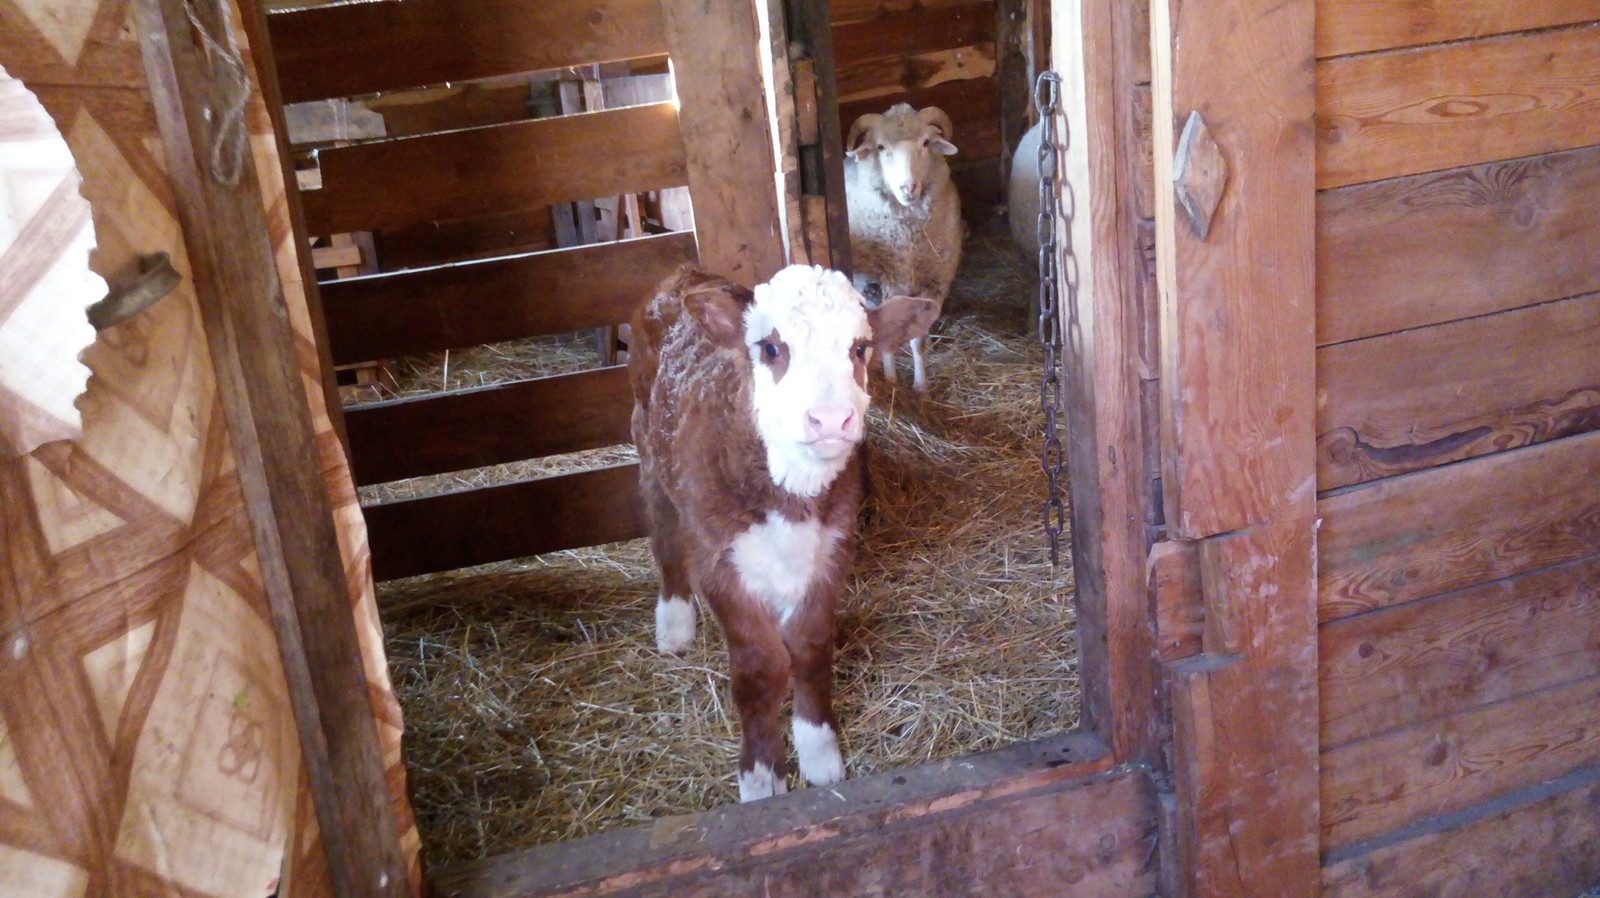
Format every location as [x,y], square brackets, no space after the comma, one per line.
[469,183]
[1457,436]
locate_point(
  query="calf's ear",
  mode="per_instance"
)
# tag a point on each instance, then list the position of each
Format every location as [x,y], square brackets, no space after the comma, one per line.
[719,313]
[901,319]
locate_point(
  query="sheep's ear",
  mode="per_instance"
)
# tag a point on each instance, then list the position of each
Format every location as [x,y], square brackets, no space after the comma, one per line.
[900,320]
[855,144]
[719,312]
[941,146]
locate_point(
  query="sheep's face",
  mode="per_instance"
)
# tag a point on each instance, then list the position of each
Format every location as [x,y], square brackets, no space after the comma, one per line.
[904,144]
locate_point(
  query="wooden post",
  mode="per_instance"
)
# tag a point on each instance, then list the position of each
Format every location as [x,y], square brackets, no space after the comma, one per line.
[722,116]
[1237,306]
[263,398]
[822,164]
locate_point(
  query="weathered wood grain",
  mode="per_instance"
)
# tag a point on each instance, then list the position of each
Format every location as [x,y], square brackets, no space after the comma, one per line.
[1391,114]
[1361,26]
[364,48]
[1535,844]
[482,171]
[1180,611]
[1099,323]
[1431,248]
[440,242]
[903,833]
[845,11]
[1144,184]
[887,76]
[262,394]
[1443,655]
[727,150]
[1247,792]
[495,300]
[1235,334]
[513,520]
[910,32]
[489,425]
[1427,397]
[1380,784]
[1430,532]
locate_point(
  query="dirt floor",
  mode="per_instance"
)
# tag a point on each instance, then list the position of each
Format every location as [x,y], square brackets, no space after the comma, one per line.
[537,707]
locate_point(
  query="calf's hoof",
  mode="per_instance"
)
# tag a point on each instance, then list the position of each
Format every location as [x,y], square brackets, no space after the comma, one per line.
[760,783]
[818,748]
[674,624]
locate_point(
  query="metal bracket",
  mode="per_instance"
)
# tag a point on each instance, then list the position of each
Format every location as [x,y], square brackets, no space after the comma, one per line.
[1199,175]
[157,278]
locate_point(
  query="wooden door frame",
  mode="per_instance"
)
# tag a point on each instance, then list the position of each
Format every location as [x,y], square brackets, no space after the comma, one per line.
[1085,804]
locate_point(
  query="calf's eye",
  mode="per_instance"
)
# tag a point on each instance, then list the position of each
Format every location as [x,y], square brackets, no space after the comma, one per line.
[861,350]
[769,350]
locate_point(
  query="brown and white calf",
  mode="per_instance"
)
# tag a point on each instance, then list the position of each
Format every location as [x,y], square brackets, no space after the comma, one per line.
[748,416]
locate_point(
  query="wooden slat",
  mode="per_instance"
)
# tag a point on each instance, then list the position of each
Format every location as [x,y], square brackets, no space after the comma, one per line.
[1450,653]
[1434,531]
[441,242]
[1180,613]
[1380,784]
[472,303]
[495,523]
[1361,26]
[490,425]
[1247,792]
[1426,397]
[363,48]
[998,822]
[481,171]
[913,32]
[1540,843]
[727,148]
[262,392]
[886,76]
[1406,112]
[1431,248]
[973,105]
[843,11]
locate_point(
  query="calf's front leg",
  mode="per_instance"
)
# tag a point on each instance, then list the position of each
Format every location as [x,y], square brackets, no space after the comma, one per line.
[760,674]
[809,636]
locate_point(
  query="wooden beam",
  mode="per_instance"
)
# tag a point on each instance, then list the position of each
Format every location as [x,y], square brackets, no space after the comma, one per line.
[262,392]
[1430,248]
[365,48]
[914,31]
[1014,76]
[1447,528]
[494,300]
[1236,376]
[1427,397]
[531,419]
[1238,398]
[1387,782]
[809,23]
[1536,843]
[1362,26]
[859,10]
[1003,819]
[482,171]
[496,523]
[726,144]
[1099,326]
[1463,650]
[441,242]
[886,76]
[1391,114]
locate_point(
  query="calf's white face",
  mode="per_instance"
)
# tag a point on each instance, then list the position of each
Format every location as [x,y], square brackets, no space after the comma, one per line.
[809,336]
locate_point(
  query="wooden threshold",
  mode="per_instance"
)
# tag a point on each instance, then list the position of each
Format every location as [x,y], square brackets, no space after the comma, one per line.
[1025,820]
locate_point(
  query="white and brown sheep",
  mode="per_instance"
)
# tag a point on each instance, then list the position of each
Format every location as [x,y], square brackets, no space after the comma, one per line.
[748,416]
[905,215]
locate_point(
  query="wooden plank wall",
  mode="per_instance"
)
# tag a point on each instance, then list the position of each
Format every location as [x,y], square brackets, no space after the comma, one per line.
[1458,445]
[463,185]
[933,53]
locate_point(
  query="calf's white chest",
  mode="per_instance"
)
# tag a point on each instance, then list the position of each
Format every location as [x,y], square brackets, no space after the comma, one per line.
[777,559]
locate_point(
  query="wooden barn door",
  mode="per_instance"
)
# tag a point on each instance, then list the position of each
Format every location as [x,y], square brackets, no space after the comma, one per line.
[469,167]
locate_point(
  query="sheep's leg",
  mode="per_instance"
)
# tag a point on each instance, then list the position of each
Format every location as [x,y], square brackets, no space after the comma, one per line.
[919,377]
[675,613]
[809,636]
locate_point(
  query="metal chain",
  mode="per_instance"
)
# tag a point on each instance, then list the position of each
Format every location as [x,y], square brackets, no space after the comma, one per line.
[1046,97]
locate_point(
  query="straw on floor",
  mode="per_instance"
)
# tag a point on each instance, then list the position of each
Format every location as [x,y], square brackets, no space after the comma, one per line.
[537,707]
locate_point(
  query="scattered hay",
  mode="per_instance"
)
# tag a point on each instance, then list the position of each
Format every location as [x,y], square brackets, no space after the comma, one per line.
[537,707]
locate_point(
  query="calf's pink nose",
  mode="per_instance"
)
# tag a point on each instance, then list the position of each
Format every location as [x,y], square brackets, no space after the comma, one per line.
[832,422]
